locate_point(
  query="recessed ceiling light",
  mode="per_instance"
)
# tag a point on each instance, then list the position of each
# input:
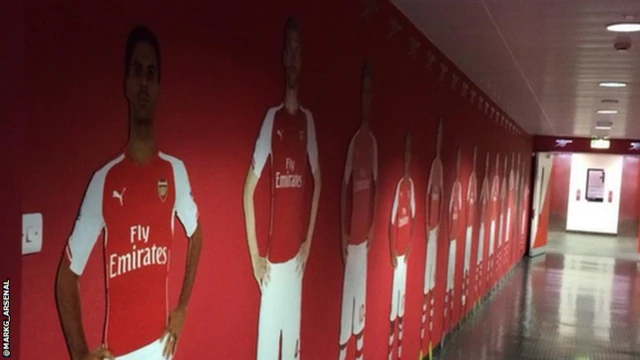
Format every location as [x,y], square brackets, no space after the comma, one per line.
[607,112]
[609,101]
[624,27]
[604,125]
[613,84]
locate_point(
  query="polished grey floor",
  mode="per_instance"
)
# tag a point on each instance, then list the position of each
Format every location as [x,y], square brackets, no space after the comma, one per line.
[619,247]
[580,301]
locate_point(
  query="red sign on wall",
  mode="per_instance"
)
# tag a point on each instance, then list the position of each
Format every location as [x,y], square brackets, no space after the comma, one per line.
[610,197]
[578,195]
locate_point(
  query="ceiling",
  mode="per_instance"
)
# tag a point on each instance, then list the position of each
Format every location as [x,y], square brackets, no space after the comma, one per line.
[541,60]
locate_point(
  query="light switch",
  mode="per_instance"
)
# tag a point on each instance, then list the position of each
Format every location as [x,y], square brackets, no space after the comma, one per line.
[31,233]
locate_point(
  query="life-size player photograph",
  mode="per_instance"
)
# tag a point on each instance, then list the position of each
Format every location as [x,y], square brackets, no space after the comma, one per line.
[434,208]
[133,202]
[455,220]
[285,155]
[401,231]
[359,188]
[472,199]
[494,213]
[524,203]
[502,230]
[483,207]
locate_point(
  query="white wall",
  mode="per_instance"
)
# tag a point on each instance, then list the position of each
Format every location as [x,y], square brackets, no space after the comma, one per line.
[598,217]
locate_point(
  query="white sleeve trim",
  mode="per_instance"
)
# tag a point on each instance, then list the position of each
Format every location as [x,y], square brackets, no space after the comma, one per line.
[312,144]
[262,148]
[375,157]
[90,221]
[394,209]
[441,180]
[413,200]
[451,199]
[185,206]
[348,166]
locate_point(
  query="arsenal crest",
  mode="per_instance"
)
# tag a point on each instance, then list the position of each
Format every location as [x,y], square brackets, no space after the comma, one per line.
[163,189]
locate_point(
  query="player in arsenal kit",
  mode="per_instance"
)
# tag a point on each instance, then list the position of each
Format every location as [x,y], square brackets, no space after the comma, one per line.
[503,215]
[524,204]
[472,198]
[287,147]
[455,213]
[484,215]
[508,228]
[514,213]
[401,230]
[434,208]
[494,213]
[359,186]
[134,199]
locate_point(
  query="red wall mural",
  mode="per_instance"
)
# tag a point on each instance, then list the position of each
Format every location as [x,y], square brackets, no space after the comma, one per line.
[222,68]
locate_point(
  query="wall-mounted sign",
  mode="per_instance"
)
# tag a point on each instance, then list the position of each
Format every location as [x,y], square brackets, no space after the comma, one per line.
[595,185]
[600,144]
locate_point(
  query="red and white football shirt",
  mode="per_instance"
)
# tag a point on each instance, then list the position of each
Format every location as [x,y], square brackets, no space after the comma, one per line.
[472,196]
[362,169]
[288,141]
[403,214]
[494,211]
[435,193]
[517,199]
[135,205]
[455,210]
[484,212]
[511,199]
[503,207]
[524,206]
[485,197]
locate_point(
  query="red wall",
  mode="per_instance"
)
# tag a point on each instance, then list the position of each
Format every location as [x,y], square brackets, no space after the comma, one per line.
[559,184]
[221,71]
[583,145]
[12,118]
[629,206]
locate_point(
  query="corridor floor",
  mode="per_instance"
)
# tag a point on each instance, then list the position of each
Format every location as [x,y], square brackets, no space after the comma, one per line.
[578,305]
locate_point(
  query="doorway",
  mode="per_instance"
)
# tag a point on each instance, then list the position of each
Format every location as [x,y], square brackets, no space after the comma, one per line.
[592,204]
